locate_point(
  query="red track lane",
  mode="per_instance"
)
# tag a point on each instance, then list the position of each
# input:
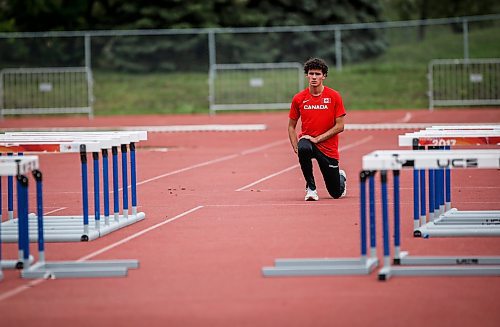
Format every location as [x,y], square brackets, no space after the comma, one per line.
[207,234]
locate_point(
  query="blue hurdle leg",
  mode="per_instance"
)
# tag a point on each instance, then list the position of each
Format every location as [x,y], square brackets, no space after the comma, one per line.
[105,185]
[362,202]
[435,189]
[385,218]
[423,206]
[416,203]
[373,239]
[436,193]
[416,192]
[448,185]
[442,188]
[397,225]
[116,199]
[97,202]
[441,192]
[10,195]
[85,196]
[39,209]
[124,180]
[23,222]
[431,194]
[133,178]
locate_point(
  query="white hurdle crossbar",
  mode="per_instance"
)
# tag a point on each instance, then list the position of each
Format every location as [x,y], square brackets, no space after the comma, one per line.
[397,160]
[337,266]
[465,127]
[69,228]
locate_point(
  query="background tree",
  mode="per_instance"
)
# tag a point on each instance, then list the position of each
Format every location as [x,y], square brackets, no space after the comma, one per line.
[425,9]
[144,54]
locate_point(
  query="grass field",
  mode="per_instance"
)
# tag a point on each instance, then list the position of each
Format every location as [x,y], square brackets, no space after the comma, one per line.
[395,80]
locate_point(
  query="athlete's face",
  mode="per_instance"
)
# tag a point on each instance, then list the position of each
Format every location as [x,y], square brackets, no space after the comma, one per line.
[315,77]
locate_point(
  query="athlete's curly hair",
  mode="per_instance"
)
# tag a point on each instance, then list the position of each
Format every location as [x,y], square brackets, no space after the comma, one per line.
[316,63]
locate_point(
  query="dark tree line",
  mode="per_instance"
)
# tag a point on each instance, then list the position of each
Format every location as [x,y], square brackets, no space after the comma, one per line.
[143,54]
[425,9]
[49,15]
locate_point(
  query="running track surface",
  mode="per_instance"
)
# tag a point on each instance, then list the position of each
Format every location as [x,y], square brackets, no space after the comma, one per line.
[221,205]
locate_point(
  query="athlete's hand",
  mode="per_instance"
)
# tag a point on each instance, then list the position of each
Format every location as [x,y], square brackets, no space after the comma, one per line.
[310,138]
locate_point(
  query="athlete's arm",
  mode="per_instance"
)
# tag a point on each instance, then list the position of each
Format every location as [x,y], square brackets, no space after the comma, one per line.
[292,134]
[336,129]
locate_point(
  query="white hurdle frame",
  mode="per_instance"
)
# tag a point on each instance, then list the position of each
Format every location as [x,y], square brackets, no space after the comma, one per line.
[397,160]
[440,209]
[69,228]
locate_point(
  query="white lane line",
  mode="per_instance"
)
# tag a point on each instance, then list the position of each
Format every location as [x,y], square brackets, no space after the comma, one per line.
[267,177]
[206,163]
[19,289]
[55,210]
[263,147]
[406,118]
[131,237]
[285,204]
[31,284]
[348,146]
[159,128]
[355,144]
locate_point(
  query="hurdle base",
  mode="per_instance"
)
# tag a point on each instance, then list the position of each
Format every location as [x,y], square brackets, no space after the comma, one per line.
[474,221]
[76,269]
[397,261]
[66,228]
[387,272]
[433,230]
[320,267]
[15,264]
[464,260]
[455,213]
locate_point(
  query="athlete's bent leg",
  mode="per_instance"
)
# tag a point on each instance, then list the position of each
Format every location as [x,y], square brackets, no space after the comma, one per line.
[330,170]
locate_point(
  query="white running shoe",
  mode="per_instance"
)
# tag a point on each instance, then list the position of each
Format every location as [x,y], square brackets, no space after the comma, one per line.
[311,195]
[342,173]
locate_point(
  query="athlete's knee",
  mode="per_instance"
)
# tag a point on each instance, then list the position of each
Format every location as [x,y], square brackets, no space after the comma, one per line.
[334,193]
[304,147]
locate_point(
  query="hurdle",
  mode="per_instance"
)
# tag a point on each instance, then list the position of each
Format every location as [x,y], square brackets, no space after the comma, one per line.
[69,228]
[446,136]
[396,160]
[338,266]
[19,166]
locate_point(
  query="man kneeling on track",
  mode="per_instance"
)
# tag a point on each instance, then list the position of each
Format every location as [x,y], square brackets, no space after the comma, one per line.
[322,113]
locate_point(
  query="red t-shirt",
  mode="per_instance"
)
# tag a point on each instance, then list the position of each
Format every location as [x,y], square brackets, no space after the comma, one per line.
[318,114]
